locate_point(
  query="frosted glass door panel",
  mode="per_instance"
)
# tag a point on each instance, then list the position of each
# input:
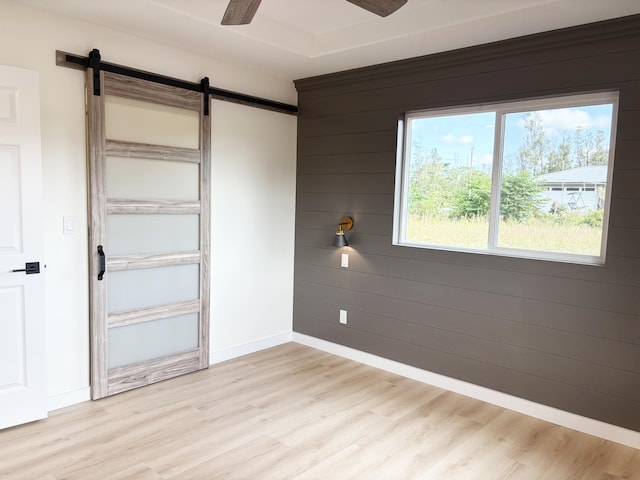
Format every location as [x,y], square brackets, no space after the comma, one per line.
[151,287]
[143,179]
[149,340]
[142,122]
[134,234]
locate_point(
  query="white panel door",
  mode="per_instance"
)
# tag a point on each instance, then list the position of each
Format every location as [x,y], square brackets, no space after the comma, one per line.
[22,328]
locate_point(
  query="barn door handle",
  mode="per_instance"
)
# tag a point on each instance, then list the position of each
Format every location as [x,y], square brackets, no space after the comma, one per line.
[103,262]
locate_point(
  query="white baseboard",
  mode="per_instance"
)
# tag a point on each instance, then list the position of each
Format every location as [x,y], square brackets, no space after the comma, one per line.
[533,409]
[66,399]
[247,348]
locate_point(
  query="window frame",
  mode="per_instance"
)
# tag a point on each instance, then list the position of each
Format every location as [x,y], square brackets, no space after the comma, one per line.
[501,109]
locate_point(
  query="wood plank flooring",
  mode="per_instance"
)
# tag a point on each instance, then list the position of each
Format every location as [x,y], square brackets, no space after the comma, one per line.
[292,412]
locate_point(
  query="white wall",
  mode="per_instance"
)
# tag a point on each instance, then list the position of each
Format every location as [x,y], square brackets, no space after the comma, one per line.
[253,199]
[253,171]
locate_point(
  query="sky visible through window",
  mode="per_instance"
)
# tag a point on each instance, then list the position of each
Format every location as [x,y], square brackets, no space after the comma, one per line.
[468,140]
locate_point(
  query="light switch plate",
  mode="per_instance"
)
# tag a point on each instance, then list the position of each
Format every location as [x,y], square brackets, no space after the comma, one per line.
[343,317]
[344,261]
[68,225]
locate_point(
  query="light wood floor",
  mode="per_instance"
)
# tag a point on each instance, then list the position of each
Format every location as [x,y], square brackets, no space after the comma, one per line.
[293,412]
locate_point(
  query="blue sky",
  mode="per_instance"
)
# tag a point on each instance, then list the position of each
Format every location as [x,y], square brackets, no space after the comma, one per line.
[464,140]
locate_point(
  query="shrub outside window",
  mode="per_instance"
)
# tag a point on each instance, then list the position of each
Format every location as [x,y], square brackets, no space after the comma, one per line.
[525,179]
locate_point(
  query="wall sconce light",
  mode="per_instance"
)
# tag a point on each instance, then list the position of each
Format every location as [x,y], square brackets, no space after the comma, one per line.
[346,223]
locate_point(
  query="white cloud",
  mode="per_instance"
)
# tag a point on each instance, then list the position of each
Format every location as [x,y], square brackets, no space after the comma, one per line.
[569,119]
[462,140]
[486,159]
[566,119]
[602,122]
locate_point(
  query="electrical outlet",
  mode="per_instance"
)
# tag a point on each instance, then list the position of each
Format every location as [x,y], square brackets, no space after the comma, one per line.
[343,317]
[344,261]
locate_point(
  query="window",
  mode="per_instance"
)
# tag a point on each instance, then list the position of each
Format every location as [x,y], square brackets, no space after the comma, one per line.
[526,179]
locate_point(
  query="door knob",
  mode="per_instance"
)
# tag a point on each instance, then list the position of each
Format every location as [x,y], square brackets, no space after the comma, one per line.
[29,268]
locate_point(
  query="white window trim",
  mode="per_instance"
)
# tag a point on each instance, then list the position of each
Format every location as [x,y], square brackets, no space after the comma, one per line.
[565,101]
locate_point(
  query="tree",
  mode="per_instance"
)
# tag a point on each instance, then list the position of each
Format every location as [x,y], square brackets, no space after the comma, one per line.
[429,187]
[473,197]
[534,152]
[590,148]
[519,196]
[540,154]
[560,156]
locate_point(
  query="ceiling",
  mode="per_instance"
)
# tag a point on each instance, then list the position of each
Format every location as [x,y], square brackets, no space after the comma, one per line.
[300,38]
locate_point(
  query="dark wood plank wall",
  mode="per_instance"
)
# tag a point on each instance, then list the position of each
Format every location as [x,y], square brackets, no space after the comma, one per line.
[559,334]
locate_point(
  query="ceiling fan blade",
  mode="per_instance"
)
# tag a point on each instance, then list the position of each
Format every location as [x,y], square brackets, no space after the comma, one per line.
[379,7]
[240,12]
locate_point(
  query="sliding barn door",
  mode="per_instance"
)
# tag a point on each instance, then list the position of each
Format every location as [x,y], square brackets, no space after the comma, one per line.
[149,148]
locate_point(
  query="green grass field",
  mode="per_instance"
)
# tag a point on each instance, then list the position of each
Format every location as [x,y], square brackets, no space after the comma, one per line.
[533,234]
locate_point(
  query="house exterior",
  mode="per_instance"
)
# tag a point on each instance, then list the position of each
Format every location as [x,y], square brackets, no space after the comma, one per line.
[577,189]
